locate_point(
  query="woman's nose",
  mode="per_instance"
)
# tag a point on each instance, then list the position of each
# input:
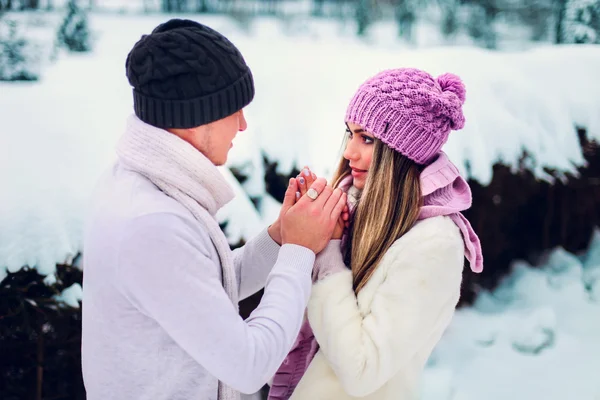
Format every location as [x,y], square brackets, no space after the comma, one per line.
[351,153]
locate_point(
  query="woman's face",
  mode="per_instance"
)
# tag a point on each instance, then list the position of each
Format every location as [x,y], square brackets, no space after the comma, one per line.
[359,151]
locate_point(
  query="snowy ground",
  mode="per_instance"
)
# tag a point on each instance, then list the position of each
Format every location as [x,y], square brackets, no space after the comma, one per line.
[57,136]
[536,337]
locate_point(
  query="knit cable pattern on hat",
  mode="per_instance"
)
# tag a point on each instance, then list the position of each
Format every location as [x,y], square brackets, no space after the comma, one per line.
[185,74]
[409,110]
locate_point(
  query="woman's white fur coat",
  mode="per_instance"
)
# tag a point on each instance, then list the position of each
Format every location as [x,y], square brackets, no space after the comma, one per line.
[375,345]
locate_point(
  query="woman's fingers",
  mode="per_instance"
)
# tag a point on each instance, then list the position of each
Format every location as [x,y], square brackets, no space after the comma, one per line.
[309,176]
[338,200]
[323,193]
[302,186]
[305,180]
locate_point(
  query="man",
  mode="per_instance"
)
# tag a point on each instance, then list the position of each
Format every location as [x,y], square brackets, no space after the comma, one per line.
[161,286]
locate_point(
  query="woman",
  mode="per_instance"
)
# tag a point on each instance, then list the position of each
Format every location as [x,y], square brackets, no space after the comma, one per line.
[384,295]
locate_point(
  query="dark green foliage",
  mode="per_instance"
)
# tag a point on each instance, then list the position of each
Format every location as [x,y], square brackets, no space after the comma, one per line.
[40,339]
[74,33]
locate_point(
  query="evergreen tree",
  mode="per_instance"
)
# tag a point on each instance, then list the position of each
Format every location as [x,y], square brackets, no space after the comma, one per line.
[480,24]
[450,23]
[406,14]
[19,60]
[172,6]
[581,23]
[74,33]
[363,16]
[40,336]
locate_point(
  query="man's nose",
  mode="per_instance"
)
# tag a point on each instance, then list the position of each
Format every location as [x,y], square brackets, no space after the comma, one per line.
[243,123]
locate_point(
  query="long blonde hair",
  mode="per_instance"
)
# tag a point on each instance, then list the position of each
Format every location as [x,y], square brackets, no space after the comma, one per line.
[388,208]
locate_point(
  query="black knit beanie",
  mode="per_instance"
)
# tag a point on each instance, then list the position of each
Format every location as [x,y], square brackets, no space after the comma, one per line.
[185,74]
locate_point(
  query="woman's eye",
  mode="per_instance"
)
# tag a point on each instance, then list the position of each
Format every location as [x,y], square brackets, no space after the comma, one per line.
[349,133]
[367,139]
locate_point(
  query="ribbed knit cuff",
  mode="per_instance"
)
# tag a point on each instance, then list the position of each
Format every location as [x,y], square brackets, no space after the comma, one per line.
[296,257]
[190,113]
[268,248]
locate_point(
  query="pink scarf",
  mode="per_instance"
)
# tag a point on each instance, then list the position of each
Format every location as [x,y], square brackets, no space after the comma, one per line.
[445,192]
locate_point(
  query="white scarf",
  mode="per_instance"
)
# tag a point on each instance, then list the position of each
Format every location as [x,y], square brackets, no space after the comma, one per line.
[186,175]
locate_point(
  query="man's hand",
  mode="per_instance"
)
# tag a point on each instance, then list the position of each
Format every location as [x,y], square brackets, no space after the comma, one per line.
[310,223]
[305,180]
[301,185]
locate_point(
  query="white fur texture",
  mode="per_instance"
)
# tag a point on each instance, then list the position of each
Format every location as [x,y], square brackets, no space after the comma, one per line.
[375,346]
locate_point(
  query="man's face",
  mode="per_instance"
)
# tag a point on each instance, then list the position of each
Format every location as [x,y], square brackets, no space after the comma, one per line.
[214,140]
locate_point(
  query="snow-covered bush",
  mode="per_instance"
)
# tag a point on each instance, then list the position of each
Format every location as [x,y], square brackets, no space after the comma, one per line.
[41,328]
[581,22]
[74,33]
[19,57]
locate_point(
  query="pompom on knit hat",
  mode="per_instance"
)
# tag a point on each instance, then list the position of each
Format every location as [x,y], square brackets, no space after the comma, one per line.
[409,110]
[185,74]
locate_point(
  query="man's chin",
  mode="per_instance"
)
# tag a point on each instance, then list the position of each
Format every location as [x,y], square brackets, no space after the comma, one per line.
[220,162]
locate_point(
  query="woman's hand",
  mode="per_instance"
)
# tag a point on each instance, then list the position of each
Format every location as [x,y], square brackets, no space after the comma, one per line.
[338,232]
[304,181]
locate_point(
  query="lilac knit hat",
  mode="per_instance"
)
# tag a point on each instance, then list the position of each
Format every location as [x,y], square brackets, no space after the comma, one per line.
[409,110]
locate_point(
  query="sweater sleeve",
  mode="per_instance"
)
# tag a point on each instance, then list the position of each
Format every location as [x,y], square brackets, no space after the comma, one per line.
[167,276]
[414,302]
[253,263]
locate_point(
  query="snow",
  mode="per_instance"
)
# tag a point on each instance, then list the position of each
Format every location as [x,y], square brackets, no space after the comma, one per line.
[591,268]
[71,296]
[240,209]
[57,138]
[537,334]
[521,101]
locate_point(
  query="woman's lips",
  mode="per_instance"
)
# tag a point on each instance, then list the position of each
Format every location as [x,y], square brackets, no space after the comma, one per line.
[358,173]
